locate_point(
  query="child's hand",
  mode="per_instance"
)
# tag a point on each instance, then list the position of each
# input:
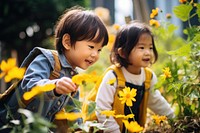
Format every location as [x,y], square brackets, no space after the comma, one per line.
[65,86]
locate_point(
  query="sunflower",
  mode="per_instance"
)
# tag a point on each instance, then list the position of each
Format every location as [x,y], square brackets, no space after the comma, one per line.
[127,96]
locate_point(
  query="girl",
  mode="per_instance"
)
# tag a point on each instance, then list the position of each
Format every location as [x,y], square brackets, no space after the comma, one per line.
[133,50]
[79,37]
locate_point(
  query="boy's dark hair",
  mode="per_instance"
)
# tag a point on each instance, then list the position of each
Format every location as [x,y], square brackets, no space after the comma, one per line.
[80,24]
[127,38]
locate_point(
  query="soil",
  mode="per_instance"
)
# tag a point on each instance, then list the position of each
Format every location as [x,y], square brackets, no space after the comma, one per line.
[184,125]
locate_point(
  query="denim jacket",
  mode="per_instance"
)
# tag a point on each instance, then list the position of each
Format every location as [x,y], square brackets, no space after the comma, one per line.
[38,73]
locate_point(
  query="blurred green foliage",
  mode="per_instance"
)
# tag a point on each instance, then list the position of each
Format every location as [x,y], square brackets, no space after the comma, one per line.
[37,16]
[182,56]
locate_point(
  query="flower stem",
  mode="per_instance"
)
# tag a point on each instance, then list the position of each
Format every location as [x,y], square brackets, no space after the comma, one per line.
[131,112]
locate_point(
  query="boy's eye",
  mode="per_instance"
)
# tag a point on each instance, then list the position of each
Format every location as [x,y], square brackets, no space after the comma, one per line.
[99,50]
[141,47]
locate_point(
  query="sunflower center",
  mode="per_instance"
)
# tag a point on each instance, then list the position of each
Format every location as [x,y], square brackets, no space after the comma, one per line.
[128,96]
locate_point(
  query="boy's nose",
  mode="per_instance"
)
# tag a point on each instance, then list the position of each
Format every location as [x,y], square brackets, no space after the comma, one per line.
[94,53]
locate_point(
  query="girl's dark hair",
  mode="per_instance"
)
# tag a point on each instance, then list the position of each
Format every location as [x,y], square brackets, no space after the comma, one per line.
[127,38]
[80,24]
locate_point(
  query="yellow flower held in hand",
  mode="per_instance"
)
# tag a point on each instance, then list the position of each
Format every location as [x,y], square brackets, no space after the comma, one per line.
[69,116]
[133,126]
[127,96]
[38,90]
[80,78]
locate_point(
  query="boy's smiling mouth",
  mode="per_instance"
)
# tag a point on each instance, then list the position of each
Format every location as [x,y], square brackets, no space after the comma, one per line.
[90,62]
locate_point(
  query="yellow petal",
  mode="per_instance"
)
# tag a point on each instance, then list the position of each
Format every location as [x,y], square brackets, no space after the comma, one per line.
[2,74]
[129,103]
[69,116]
[9,65]
[111,81]
[108,112]
[37,90]
[15,73]
[133,126]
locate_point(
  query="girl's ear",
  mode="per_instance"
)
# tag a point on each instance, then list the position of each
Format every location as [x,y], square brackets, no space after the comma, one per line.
[121,52]
[66,41]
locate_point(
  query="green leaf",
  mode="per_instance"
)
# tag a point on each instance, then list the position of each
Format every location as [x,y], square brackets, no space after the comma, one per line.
[197,38]
[182,11]
[77,103]
[172,28]
[182,51]
[69,108]
[198,10]
[91,107]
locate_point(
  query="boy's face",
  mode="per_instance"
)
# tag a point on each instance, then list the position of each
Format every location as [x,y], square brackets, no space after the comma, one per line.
[83,54]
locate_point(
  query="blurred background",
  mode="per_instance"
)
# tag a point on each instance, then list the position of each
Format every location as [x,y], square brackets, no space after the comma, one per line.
[25,24]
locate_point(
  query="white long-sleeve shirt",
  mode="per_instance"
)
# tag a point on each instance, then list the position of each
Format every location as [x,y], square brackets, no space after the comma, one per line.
[106,92]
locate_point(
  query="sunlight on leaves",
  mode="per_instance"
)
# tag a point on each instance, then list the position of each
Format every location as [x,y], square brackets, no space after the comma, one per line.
[182,51]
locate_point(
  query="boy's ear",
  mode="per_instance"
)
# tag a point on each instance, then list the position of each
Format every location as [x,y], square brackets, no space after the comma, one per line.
[121,52]
[66,41]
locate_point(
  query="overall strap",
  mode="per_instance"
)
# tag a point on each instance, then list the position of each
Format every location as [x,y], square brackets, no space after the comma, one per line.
[117,106]
[143,105]
[120,76]
[148,74]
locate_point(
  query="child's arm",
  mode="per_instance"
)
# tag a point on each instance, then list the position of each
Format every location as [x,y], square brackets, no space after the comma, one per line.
[157,103]
[104,101]
[38,73]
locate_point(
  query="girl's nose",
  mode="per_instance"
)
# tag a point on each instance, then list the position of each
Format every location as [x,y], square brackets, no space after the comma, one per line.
[147,51]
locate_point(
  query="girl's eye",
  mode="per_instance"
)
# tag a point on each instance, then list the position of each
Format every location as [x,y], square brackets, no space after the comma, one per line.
[91,47]
[99,50]
[141,47]
[151,48]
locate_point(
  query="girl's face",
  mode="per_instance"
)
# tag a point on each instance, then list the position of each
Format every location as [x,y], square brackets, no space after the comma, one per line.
[83,54]
[141,55]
